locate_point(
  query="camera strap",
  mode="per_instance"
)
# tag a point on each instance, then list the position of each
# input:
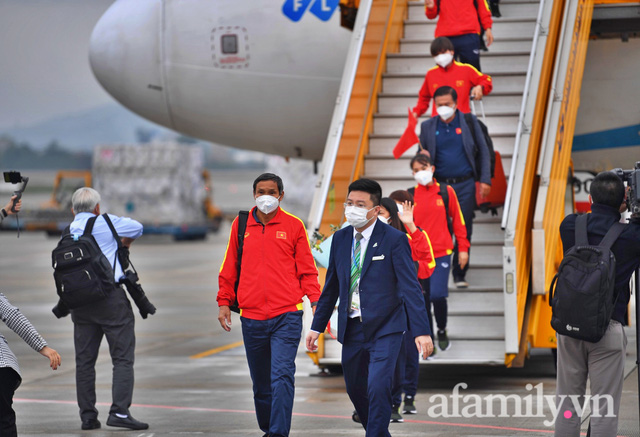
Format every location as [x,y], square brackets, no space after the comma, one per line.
[122,253]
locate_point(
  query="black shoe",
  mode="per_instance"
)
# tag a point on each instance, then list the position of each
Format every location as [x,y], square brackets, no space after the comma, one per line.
[395,414]
[409,405]
[355,417]
[90,424]
[443,341]
[495,9]
[126,422]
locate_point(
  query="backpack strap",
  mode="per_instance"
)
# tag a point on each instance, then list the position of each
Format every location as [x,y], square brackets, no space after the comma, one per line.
[89,226]
[612,235]
[243,217]
[444,193]
[581,231]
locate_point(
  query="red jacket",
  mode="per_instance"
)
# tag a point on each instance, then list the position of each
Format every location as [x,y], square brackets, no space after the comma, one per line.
[460,17]
[277,268]
[461,77]
[430,214]
[422,252]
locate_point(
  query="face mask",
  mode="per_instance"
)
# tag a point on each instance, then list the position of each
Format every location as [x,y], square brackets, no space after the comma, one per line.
[443,59]
[424,177]
[357,217]
[267,204]
[445,112]
[383,219]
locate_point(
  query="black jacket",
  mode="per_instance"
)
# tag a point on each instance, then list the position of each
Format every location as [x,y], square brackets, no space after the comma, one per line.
[626,248]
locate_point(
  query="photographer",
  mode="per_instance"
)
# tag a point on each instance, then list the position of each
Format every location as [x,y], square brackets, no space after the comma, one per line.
[111,317]
[7,209]
[601,362]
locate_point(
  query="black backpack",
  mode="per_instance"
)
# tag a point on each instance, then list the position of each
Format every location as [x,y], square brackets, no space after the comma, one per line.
[243,216]
[582,292]
[487,139]
[82,273]
[444,193]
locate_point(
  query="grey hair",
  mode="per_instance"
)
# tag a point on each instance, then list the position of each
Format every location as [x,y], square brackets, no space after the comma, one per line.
[85,199]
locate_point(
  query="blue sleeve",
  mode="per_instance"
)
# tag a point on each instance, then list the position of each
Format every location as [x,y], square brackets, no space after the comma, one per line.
[329,295]
[126,227]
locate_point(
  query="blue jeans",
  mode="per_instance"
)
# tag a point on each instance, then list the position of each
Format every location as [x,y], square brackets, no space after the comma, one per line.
[271,347]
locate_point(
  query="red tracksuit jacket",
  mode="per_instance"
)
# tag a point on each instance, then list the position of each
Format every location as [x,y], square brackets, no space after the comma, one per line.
[461,77]
[277,268]
[430,214]
[459,17]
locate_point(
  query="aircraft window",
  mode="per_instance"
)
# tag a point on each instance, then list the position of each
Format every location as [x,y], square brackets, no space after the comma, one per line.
[229,44]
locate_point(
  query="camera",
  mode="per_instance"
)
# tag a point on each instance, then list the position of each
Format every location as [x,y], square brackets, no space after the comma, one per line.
[632,179]
[130,281]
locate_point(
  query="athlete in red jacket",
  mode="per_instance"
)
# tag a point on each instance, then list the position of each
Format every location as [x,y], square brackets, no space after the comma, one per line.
[277,270]
[461,22]
[464,78]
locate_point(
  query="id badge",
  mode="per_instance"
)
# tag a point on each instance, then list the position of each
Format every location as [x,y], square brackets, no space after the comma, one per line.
[355,301]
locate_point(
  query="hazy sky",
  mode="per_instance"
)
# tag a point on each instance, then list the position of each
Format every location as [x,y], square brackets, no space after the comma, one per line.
[44,60]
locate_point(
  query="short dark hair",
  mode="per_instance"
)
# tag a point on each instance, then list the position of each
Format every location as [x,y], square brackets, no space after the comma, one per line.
[269,177]
[420,158]
[440,45]
[607,189]
[401,196]
[394,218]
[368,186]
[446,91]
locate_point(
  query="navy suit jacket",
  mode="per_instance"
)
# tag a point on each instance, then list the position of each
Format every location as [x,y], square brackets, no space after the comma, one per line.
[390,295]
[471,149]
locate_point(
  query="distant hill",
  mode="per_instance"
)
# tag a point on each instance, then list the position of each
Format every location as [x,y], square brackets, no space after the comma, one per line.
[109,123]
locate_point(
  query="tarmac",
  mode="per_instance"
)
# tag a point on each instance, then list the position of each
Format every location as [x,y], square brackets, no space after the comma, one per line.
[192,377]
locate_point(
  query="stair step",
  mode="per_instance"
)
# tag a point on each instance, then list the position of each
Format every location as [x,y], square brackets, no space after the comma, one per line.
[387,167]
[487,352]
[512,27]
[484,277]
[398,104]
[382,145]
[395,125]
[403,83]
[475,327]
[515,63]
[501,46]
[475,303]
[402,182]
[507,9]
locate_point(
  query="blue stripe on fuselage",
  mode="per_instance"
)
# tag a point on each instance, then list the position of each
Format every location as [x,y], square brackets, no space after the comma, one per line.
[619,137]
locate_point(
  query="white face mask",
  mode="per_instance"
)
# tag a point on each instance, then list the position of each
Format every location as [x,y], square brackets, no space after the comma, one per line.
[357,217]
[445,112]
[383,219]
[267,204]
[424,177]
[443,59]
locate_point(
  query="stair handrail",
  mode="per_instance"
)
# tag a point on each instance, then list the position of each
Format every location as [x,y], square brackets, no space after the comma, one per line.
[339,114]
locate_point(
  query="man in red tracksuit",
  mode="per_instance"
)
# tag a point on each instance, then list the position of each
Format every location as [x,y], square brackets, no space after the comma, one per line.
[431,214]
[461,21]
[277,270]
[464,78]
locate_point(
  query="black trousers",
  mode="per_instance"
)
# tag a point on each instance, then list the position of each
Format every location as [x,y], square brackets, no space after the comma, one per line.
[9,382]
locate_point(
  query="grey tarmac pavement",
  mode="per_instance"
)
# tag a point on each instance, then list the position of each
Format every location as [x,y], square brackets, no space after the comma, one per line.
[211,396]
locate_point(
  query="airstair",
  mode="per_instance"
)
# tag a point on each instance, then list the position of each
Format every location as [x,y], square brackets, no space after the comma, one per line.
[495,321]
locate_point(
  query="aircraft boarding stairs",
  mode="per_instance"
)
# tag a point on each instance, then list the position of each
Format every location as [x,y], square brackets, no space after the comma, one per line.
[476,315]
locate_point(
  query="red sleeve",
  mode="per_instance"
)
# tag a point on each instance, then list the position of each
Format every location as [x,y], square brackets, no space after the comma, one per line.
[459,227]
[485,14]
[424,97]
[306,266]
[433,12]
[478,78]
[421,249]
[229,270]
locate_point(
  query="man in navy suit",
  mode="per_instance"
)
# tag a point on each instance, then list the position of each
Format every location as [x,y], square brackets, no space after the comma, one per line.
[371,271]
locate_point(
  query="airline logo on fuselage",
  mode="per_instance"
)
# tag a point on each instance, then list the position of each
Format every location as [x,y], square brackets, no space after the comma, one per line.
[323,9]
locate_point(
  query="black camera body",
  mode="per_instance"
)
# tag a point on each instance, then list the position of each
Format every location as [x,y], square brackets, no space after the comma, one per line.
[632,179]
[130,281]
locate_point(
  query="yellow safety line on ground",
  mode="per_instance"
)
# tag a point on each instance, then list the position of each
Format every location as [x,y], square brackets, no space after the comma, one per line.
[216,350]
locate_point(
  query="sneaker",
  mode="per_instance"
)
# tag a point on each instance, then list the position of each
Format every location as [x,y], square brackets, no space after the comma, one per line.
[443,341]
[433,354]
[126,422]
[460,283]
[395,414]
[495,9]
[409,406]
